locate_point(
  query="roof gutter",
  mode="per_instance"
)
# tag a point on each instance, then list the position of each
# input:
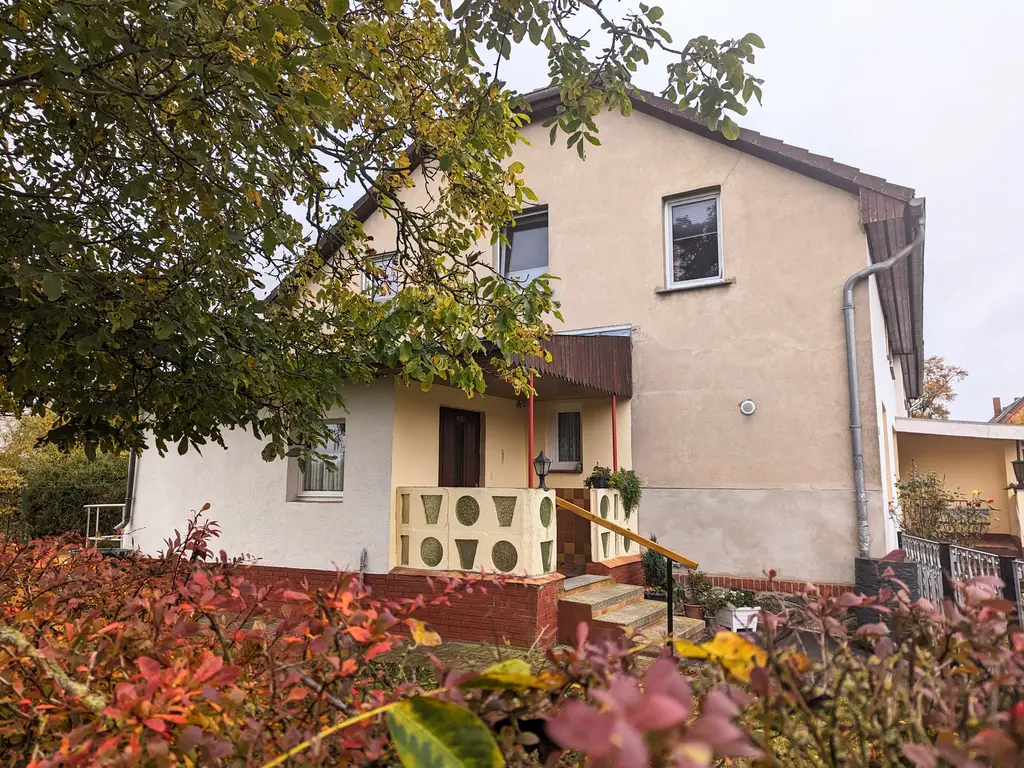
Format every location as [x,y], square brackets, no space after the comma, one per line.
[915,209]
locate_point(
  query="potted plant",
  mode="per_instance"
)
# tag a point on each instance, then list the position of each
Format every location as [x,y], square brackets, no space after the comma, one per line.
[630,489]
[655,577]
[599,477]
[735,609]
[698,589]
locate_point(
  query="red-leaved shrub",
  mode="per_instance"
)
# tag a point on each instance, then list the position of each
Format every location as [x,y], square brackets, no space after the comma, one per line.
[177,660]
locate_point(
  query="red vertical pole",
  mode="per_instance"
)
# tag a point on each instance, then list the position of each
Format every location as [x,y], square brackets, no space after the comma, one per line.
[615,436]
[529,440]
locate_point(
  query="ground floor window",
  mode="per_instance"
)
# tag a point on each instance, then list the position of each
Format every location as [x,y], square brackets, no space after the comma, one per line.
[568,440]
[326,477]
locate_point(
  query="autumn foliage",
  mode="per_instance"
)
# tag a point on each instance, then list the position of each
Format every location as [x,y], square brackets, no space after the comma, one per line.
[178,660]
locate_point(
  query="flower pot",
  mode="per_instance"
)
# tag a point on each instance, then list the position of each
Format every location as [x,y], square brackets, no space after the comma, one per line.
[599,481]
[738,619]
[693,611]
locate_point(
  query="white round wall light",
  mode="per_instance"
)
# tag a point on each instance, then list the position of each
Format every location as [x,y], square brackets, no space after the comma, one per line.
[748,407]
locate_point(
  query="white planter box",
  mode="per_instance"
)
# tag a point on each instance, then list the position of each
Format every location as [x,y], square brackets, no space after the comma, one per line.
[738,619]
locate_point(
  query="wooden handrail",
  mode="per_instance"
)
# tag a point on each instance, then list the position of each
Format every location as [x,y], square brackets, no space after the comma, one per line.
[615,528]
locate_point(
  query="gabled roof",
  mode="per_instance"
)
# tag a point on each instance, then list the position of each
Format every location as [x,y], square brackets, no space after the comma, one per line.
[1006,415]
[882,209]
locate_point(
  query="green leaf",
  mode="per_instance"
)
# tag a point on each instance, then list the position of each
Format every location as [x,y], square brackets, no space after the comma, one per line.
[53,286]
[321,32]
[393,5]
[163,328]
[426,732]
[753,40]
[445,162]
[337,7]
[286,15]
[183,446]
[730,130]
[655,13]
[517,167]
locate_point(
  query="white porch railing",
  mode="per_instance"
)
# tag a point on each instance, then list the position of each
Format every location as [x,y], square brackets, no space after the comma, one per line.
[606,503]
[507,530]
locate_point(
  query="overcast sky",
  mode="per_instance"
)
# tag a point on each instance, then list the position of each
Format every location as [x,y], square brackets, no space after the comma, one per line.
[927,95]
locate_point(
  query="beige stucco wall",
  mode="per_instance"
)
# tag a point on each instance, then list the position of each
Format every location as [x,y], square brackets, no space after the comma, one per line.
[967,464]
[416,441]
[596,415]
[775,335]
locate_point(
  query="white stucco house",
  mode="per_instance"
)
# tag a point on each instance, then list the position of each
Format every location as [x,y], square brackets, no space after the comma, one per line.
[701,282]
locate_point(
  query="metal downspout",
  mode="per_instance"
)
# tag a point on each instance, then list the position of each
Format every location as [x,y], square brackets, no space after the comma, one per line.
[129,496]
[856,428]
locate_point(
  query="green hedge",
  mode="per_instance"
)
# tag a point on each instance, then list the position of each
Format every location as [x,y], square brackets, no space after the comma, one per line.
[58,486]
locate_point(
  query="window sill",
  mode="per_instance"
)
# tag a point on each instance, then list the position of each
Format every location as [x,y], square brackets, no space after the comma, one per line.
[553,471]
[696,286]
[319,498]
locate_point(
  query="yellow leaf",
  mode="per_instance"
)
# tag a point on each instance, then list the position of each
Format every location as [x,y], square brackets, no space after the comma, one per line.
[42,96]
[729,651]
[422,634]
[21,20]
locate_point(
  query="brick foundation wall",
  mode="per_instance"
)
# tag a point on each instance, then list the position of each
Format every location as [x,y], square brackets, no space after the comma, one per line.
[628,569]
[775,585]
[519,612]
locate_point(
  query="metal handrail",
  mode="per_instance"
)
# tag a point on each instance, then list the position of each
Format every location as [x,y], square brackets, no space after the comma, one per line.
[654,546]
[635,537]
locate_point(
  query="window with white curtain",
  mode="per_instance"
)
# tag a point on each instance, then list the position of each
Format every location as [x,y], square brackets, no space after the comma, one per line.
[326,477]
[693,243]
[568,449]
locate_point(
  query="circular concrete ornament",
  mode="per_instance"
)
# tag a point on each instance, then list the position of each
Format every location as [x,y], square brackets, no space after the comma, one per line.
[748,407]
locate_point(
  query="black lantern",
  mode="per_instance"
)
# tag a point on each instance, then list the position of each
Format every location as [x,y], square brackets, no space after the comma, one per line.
[542,465]
[1018,471]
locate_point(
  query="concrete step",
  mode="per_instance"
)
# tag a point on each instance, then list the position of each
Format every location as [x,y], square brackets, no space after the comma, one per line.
[583,583]
[656,634]
[605,599]
[638,615]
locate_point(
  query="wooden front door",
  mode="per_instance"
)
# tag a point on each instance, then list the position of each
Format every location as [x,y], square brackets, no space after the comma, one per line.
[459,460]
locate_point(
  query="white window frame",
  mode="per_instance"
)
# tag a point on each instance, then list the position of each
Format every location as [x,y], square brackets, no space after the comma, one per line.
[368,281]
[301,495]
[565,466]
[668,204]
[525,276]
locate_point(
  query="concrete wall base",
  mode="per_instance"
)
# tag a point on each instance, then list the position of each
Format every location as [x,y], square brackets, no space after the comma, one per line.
[804,535]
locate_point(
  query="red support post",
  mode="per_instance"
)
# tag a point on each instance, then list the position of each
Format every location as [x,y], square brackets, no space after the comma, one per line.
[529,440]
[615,435]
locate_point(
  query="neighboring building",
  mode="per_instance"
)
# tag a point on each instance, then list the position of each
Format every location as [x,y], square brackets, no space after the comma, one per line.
[1011,414]
[695,274]
[972,456]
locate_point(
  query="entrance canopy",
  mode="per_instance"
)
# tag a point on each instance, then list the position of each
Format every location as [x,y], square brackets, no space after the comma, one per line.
[580,367]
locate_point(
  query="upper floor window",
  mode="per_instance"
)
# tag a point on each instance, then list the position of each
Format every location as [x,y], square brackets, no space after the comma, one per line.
[525,257]
[693,241]
[386,280]
[326,477]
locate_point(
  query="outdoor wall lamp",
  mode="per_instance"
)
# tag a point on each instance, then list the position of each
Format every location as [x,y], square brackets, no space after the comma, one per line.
[1018,471]
[542,465]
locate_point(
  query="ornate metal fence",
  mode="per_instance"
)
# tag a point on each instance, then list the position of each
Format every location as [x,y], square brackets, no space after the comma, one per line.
[966,564]
[928,556]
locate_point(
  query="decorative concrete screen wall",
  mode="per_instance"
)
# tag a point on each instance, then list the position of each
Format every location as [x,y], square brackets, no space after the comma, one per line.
[507,530]
[604,545]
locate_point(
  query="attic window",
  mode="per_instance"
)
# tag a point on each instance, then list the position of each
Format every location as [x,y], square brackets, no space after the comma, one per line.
[693,242]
